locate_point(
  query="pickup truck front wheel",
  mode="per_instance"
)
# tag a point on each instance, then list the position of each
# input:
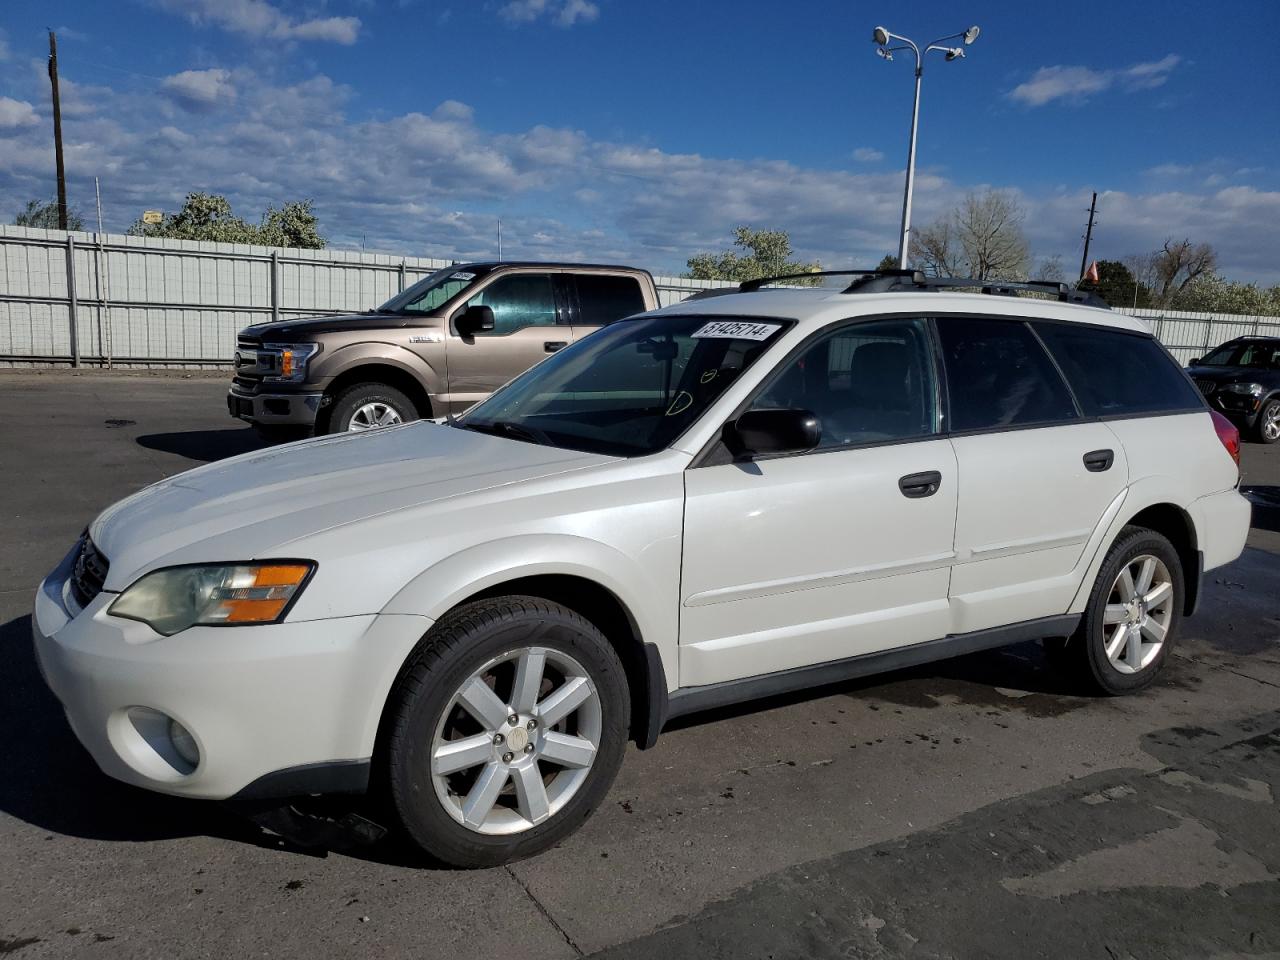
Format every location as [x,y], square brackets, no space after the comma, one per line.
[367,406]
[508,726]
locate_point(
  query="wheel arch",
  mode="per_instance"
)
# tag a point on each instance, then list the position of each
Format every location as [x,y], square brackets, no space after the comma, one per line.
[402,377]
[582,575]
[1156,505]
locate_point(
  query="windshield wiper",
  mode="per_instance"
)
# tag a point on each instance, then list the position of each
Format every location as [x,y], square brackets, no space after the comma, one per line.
[508,428]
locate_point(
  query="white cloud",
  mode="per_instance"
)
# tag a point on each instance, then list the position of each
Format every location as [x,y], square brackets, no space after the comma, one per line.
[867,155]
[200,89]
[434,183]
[564,13]
[16,113]
[1080,83]
[263,21]
[1168,170]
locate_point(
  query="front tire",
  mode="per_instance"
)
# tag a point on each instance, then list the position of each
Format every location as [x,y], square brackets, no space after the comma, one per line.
[507,728]
[1267,429]
[1133,614]
[368,406]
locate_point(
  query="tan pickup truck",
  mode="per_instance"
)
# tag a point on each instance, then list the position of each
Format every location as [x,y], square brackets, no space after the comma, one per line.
[436,348]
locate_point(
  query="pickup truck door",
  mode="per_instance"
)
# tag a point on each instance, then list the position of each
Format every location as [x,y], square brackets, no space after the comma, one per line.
[527,329]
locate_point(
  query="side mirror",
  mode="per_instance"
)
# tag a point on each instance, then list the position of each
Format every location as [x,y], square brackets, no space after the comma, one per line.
[1194,361]
[759,432]
[475,319]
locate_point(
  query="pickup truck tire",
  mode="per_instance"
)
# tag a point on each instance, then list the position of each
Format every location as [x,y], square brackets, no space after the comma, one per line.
[365,406]
[506,729]
[1133,614]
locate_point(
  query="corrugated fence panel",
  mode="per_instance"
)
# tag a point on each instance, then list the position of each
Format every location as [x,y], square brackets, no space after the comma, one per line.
[147,301]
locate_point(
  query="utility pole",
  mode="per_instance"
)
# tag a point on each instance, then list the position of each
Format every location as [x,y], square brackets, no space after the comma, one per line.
[57,131]
[1088,234]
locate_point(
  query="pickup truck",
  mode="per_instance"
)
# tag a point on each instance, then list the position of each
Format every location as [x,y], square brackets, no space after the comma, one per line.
[435,349]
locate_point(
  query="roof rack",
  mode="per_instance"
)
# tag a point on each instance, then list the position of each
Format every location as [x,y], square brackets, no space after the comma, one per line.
[897,281]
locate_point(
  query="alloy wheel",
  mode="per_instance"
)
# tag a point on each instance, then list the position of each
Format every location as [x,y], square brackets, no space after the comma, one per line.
[1271,422]
[372,415]
[1138,614]
[516,741]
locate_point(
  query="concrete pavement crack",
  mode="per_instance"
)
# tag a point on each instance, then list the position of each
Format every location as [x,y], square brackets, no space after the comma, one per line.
[546,913]
[1226,669]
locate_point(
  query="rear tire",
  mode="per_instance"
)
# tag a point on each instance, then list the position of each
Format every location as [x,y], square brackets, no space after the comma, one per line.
[368,406]
[1132,618]
[471,788]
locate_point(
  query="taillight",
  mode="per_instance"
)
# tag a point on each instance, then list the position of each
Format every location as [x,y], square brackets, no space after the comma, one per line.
[1228,434]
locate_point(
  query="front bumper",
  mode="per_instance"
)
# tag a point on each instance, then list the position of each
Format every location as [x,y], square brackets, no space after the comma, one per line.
[264,704]
[298,409]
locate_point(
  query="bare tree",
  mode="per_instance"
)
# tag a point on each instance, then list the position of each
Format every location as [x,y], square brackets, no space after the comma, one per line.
[1175,266]
[1050,268]
[982,239]
[935,249]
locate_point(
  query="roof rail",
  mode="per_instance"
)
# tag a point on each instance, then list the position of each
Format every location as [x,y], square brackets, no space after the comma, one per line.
[749,286]
[886,281]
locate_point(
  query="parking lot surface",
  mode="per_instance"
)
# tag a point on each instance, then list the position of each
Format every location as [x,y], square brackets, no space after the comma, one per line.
[974,808]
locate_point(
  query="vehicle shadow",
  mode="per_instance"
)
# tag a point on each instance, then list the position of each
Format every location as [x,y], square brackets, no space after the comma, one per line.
[1266,506]
[52,783]
[205,445]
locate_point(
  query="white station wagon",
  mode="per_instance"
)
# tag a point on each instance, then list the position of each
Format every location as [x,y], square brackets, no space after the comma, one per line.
[721,500]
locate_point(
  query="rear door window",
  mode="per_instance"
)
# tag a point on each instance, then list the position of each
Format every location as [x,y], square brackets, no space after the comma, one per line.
[1116,374]
[998,375]
[603,299]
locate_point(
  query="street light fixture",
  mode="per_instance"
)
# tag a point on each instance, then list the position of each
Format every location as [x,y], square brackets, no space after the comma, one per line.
[882,38]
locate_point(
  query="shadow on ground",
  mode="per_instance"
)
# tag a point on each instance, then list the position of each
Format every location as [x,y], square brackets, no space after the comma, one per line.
[205,445]
[52,783]
[1266,506]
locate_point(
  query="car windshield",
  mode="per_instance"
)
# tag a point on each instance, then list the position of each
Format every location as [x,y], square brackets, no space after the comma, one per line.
[430,293]
[1264,355]
[629,389]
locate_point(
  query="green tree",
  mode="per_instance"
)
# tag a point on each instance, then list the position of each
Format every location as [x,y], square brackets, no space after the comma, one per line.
[888,262]
[45,216]
[1118,286]
[767,253]
[208,216]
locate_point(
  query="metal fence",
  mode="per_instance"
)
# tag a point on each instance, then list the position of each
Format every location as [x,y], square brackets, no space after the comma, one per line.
[69,298]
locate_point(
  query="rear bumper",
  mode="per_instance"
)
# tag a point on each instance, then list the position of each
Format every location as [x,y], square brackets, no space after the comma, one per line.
[1222,526]
[297,409]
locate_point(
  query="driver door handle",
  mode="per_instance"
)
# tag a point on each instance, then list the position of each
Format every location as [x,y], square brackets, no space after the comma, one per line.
[551,346]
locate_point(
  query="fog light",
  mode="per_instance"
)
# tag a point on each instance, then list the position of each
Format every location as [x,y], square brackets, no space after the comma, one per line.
[184,744]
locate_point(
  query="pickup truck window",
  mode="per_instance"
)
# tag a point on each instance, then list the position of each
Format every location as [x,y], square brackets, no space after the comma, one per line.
[430,293]
[629,389]
[603,299]
[518,300]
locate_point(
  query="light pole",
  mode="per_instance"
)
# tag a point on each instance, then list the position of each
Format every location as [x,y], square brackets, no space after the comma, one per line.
[882,39]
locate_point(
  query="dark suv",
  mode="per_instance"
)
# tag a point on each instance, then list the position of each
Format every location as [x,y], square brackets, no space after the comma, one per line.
[436,348]
[1242,380]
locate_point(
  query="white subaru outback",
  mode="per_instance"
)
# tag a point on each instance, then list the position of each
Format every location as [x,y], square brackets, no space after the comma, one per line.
[720,500]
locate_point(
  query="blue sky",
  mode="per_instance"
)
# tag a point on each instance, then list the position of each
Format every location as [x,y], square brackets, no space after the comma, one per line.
[644,132]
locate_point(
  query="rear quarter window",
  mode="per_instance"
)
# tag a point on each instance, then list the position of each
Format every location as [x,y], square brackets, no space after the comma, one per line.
[603,299]
[1115,374]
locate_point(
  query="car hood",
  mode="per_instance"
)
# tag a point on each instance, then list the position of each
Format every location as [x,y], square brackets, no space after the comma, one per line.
[254,505]
[284,331]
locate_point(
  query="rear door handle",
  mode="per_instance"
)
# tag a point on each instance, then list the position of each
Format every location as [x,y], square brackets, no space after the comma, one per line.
[1096,461]
[551,346]
[917,485]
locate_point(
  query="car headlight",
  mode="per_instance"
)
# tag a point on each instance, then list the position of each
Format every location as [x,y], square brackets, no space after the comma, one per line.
[1250,389]
[222,595]
[294,357]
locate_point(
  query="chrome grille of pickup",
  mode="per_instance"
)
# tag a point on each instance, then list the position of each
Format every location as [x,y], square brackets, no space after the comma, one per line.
[89,572]
[1206,386]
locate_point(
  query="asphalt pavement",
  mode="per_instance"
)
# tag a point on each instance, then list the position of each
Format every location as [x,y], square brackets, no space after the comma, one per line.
[975,808]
